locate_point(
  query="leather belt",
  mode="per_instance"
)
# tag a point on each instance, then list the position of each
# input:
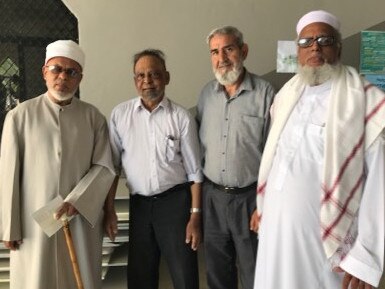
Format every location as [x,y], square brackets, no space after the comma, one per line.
[233,190]
[166,193]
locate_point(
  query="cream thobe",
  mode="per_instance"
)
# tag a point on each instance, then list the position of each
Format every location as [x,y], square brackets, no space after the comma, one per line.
[290,253]
[48,150]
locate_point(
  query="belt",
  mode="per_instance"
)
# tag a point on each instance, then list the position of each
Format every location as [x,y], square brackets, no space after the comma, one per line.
[166,193]
[233,190]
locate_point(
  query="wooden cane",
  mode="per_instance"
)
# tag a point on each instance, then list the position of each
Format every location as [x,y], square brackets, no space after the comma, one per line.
[72,252]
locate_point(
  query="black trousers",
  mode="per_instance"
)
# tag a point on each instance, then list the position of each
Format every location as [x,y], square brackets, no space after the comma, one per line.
[229,244]
[158,227]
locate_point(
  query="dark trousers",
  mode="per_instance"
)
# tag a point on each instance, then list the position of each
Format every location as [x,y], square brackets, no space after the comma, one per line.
[229,244]
[158,227]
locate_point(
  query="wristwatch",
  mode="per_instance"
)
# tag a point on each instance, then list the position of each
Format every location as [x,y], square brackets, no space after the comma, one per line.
[195,210]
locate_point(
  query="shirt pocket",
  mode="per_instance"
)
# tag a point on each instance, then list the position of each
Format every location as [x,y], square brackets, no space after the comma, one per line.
[250,129]
[173,153]
[315,141]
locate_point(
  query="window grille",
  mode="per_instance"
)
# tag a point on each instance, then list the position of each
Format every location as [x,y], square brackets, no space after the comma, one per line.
[26,28]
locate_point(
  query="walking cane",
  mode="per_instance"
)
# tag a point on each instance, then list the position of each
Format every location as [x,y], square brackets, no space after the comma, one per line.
[72,252]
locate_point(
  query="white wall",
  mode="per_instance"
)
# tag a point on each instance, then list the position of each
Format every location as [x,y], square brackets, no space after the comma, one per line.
[112,31]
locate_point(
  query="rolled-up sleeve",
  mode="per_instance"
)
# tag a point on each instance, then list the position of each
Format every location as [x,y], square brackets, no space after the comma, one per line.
[190,149]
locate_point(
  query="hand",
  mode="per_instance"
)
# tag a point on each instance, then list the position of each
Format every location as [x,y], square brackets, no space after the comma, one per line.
[354,282]
[13,245]
[110,223]
[254,222]
[65,208]
[193,231]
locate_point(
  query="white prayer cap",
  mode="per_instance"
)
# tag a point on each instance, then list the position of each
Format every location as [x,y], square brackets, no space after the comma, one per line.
[65,48]
[318,16]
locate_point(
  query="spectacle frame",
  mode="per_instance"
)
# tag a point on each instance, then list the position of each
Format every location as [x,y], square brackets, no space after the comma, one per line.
[57,69]
[154,75]
[321,41]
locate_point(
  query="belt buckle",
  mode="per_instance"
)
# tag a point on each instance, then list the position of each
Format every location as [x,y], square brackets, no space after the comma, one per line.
[229,189]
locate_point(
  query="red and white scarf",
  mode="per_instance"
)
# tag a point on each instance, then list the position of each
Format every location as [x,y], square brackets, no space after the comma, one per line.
[355,118]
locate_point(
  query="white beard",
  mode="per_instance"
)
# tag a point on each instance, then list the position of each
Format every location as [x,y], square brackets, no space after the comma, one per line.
[231,76]
[317,75]
[61,96]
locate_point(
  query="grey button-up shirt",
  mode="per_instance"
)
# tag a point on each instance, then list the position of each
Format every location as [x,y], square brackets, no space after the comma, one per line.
[233,130]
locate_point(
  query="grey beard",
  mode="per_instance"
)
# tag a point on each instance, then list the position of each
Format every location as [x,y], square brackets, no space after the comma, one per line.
[152,95]
[229,77]
[317,75]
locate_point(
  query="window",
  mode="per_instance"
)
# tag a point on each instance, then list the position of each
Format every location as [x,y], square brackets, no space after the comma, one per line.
[26,28]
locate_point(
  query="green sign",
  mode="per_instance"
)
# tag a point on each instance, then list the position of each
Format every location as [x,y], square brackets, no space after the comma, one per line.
[372,52]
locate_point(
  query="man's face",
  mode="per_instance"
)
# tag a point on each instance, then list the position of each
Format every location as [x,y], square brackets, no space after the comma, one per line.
[62,77]
[226,56]
[316,55]
[150,78]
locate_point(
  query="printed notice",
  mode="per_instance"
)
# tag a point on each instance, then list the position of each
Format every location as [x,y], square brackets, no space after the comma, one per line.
[377,80]
[372,60]
[286,56]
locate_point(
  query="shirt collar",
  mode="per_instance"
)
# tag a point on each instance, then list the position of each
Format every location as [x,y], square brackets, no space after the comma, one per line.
[165,103]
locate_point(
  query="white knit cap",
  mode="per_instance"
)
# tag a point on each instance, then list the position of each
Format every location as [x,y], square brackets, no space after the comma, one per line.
[318,16]
[65,48]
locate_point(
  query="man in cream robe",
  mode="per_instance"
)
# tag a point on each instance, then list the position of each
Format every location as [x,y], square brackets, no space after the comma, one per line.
[54,145]
[321,184]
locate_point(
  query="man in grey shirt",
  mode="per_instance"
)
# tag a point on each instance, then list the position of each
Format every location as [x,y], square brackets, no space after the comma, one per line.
[233,114]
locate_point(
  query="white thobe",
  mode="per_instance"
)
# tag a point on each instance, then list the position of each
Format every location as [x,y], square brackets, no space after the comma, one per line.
[290,253]
[48,150]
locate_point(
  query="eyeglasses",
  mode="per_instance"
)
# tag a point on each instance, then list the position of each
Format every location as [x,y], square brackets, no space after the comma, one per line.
[154,75]
[57,69]
[321,41]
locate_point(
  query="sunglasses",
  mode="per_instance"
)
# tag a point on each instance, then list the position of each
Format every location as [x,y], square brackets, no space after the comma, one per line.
[57,69]
[321,41]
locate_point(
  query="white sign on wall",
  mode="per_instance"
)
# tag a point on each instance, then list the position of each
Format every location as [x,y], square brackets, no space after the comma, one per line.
[286,56]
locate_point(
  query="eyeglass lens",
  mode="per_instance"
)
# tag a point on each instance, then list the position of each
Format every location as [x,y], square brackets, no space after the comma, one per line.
[140,76]
[57,69]
[321,40]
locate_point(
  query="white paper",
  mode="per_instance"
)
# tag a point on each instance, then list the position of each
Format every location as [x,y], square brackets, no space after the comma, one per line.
[286,56]
[91,189]
[45,217]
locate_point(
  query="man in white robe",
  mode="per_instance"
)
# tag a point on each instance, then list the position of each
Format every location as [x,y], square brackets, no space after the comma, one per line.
[321,183]
[54,145]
